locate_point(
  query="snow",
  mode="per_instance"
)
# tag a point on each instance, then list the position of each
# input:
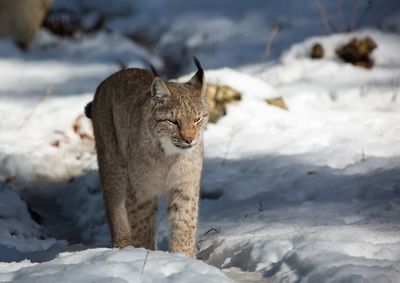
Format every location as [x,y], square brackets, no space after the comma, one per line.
[20,235]
[306,195]
[107,265]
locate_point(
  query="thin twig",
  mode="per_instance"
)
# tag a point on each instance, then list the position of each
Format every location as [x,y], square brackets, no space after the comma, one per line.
[395,85]
[30,114]
[260,206]
[365,13]
[353,15]
[362,155]
[212,229]
[268,47]
[339,8]
[69,177]
[228,146]
[329,26]
[145,261]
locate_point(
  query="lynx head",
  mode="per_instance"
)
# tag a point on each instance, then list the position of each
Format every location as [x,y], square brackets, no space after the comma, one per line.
[180,113]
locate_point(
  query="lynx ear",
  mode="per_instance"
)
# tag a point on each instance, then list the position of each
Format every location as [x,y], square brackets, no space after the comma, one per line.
[198,79]
[159,90]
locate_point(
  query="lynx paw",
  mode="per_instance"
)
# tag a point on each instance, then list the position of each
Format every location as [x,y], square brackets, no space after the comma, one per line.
[120,243]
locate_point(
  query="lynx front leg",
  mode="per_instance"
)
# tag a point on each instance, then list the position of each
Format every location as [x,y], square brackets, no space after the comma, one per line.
[142,214]
[115,183]
[183,205]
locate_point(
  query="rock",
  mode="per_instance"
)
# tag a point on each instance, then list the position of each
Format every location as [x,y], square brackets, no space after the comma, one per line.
[358,51]
[66,23]
[217,97]
[21,19]
[317,51]
[62,23]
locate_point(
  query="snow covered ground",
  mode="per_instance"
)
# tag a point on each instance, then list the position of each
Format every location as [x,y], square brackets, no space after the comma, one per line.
[311,194]
[106,265]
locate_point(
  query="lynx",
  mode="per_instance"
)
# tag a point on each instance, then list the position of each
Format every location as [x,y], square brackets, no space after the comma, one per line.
[148,135]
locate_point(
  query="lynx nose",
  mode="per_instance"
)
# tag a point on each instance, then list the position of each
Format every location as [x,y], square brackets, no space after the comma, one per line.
[188,140]
[188,136]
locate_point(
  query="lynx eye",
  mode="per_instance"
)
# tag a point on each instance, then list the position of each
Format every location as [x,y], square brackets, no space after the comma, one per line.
[198,119]
[172,122]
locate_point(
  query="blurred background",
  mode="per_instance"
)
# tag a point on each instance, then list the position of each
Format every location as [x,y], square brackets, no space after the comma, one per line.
[168,33]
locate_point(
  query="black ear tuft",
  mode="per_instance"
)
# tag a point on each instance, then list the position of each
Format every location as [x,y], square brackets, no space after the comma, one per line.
[200,70]
[88,110]
[198,79]
[196,61]
[153,70]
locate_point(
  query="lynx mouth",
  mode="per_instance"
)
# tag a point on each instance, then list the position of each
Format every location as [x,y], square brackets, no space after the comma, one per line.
[176,147]
[184,146]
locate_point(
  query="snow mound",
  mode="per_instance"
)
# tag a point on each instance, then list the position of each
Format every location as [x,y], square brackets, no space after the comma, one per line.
[82,202]
[384,54]
[251,88]
[288,253]
[112,265]
[296,64]
[308,196]
[20,236]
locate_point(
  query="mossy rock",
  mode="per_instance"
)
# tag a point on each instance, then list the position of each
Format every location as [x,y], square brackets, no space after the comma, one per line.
[217,97]
[317,51]
[278,102]
[358,52]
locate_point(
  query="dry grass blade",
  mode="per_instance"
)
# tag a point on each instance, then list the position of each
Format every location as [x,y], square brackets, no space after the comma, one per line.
[395,85]
[228,146]
[145,261]
[30,114]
